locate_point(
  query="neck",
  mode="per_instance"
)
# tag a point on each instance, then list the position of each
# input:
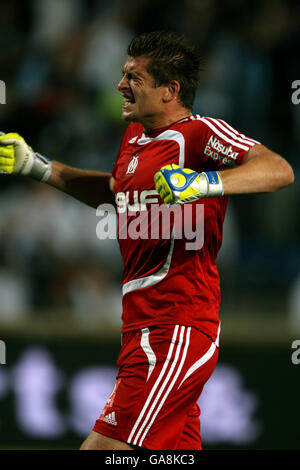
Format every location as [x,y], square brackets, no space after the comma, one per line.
[167,120]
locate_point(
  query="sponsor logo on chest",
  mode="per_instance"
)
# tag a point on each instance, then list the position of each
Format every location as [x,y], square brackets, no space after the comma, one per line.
[139,200]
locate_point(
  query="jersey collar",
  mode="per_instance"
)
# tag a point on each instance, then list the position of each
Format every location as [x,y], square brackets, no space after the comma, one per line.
[159,130]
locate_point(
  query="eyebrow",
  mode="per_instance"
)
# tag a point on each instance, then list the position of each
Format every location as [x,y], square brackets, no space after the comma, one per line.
[138,74]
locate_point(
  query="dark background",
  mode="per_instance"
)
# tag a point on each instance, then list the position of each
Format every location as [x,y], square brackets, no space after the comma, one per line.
[60,286]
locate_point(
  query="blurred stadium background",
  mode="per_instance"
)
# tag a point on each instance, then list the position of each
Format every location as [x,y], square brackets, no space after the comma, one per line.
[60,295]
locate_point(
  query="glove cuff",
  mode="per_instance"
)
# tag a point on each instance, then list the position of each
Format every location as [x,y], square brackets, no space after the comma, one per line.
[214,183]
[41,168]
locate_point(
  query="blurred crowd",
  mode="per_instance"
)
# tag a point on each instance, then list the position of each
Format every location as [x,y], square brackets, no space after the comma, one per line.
[61,61]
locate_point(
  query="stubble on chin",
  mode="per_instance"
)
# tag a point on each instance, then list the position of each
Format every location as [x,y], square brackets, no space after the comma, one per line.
[128,117]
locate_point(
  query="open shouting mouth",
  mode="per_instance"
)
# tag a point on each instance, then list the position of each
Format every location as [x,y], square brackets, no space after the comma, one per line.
[128,100]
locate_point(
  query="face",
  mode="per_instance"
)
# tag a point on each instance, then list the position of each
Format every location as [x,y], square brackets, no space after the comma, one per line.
[143,102]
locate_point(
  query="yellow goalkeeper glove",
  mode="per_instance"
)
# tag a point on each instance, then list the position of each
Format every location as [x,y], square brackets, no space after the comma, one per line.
[177,185]
[18,158]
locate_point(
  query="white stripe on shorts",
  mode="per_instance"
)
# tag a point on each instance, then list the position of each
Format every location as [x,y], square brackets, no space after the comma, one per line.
[163,382]
[200,362]
[157,410]
[148,350]
[208,355]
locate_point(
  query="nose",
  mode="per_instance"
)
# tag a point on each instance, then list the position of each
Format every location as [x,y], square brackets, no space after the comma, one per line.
[123,84]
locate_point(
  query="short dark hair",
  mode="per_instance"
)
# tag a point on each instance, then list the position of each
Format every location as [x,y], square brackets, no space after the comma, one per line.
[172,58]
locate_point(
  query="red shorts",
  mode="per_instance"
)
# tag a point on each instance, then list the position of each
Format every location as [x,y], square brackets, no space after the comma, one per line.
[161,374]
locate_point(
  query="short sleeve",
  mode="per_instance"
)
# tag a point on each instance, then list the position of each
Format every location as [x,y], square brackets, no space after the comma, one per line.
[220,144]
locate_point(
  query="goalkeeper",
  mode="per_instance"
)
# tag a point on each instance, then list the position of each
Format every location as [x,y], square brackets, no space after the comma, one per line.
[171,296]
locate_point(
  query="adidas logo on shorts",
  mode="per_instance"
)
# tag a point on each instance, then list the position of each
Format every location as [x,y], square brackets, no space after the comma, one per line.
[111,419]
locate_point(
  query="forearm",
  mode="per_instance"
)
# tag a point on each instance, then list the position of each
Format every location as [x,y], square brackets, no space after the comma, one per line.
[90,187]
[263,171]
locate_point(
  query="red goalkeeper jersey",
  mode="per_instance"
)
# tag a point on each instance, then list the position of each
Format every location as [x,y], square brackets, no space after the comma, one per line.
[165,281]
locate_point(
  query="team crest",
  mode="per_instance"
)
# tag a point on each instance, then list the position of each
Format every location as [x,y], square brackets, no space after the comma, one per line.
[132,164]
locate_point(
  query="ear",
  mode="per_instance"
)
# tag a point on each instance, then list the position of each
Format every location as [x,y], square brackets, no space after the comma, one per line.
[171,91]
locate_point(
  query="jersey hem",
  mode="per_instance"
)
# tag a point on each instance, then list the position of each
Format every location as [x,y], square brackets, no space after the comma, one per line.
[129,329]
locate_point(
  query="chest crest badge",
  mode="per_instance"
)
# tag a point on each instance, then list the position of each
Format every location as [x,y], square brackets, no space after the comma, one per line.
[132,164]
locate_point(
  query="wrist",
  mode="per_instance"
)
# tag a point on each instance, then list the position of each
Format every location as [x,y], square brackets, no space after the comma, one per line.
[214,183]
[35,165]
[41,168]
